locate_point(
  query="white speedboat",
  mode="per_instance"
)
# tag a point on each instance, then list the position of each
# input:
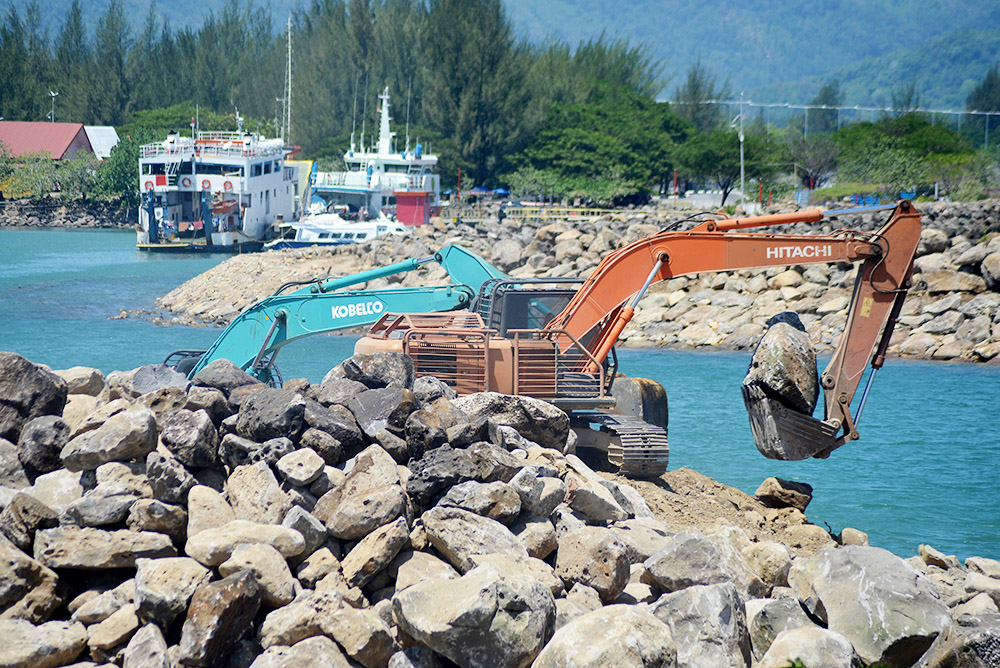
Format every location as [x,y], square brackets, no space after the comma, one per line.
[329,229]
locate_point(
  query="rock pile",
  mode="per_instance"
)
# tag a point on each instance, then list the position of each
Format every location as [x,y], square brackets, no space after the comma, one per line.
[952,312]
[52,212]
[377,520]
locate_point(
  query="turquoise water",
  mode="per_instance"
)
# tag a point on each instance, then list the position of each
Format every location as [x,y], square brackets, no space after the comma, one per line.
[925,470]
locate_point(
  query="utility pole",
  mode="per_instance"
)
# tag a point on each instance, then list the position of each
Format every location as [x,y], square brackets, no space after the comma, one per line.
[742,194]
[52,113]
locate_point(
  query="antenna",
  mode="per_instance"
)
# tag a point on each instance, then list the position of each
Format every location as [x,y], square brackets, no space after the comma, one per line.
[286,117]
[407,149]
[52,113]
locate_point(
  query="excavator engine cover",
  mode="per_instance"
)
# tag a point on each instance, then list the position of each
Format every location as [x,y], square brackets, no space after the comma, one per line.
[784,433]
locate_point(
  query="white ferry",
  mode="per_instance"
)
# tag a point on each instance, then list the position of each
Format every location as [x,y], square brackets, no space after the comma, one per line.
[383,180]
[329,229]
[235,185]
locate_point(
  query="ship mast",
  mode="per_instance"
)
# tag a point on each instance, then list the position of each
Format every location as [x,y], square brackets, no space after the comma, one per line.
[286,106]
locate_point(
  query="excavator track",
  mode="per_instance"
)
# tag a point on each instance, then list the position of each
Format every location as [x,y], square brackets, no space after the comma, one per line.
[639,448]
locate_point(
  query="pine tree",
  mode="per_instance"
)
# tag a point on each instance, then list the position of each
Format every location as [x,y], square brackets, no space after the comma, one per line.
[72,57]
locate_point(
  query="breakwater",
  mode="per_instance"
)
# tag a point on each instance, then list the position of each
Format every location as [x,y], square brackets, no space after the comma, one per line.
[952,312]
[53,212]
[379,519]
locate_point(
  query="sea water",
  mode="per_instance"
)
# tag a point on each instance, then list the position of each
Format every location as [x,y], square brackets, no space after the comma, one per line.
[926,470]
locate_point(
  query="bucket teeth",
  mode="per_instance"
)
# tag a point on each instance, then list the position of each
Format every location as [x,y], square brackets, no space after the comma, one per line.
[782,433]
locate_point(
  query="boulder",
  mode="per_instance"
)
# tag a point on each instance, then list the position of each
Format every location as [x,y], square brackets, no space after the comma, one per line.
[211,547]
[310,614]
[386,408]
[223,375]
[92,607]
[484,619]
[374,552]
[90,549]
[495,500]
[28,590]
[127,435]
[207,509]
[771,618]
[210,400]
[108,503]
[693,559]
[358,514]
[191,437]
[313,531]
[24,516]
[708,625]
[642,536]
[990,270]
[784,364]
[146,379]
[364,636]
[327,447]
[887,610]
[593,500]
[623,636]
[238,451]
[146,649]
[219,614]
[24,645]
[338,422]
[300,467]
[458,535]
[593,556]
[437,470]
[491,462]
[154,515]
[82,380]
[811,646]
[409,568]
[534,419]
[27,391]
[164,587]
[271,413]
[424,430]
[539,494]
[277,586]
[770,561]
[428,389]
[42,439]
[255,495]
[12,473]
[168,478]
[113,632]
[377,370]
[778,493]
[530,567]
[314,652]
[537,534]
[971,640]
[338,390]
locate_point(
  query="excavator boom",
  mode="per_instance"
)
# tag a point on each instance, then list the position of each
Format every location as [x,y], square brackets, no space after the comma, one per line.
[255,336]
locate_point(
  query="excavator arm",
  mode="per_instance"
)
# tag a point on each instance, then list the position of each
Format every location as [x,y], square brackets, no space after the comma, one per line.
[607,300]
[255,336]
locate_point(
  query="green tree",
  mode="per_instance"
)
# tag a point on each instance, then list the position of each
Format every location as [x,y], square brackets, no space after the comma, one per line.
[816,156]
[824,119]
[985,97]
[692,99]
[905,99]
[77,176]
[110,86]
[715,158]
[118,176]
[34,176]
[72,63]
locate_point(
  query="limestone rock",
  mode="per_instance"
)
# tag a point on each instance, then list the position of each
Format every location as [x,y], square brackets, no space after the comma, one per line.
[413,567]
[784,364]
[128,435]
[495,500]
[82,380]
[593,556]
[114,631]
[971,640]
[28,590]
[154,515]
[146,649]
[536,420]
[536,569]
[363,635]
[237,451]
[438,469]
[483,619]
[458,534]
[888,611]
[374,552]
[813,646]
[24,516]
[41,441]
[771,618]
[99,607]
[108,503]
[386,408]
[337,421]
[28,391]
[315,652]
[273,576]
[310,614]
[211,547]
[191,437]
[24,645]
[255,494]
[223,375]
[271,413]
[313,531]
[12,473]
[537,534]
[778,493]
[219,614]
[593,501]
[87,548]
[643,537]
[539,494]
[623,636]
[708,625]
[168,478]
[378,370]
[163,587]
[693,559]
[358,514]
[207,509]
[300,467]
[771,561]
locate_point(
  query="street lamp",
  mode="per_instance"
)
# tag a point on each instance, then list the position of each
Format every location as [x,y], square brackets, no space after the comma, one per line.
[52,112]
[742,171]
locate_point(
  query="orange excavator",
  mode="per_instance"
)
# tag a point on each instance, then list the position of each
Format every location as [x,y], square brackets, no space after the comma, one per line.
[554,338]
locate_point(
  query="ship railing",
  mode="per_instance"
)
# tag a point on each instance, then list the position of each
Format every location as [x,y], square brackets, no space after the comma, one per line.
[158,150]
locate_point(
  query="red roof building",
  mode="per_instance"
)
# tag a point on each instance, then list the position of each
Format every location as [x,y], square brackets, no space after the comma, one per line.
[60,140]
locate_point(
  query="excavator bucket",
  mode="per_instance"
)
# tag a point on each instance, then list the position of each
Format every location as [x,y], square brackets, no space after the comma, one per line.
[784,433]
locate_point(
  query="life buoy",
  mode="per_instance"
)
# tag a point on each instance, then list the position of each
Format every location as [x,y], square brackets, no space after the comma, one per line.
[206,184]
[186,182]
[228,185]
[149,185]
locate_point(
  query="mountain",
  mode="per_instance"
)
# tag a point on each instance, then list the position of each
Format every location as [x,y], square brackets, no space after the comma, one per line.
[779,51]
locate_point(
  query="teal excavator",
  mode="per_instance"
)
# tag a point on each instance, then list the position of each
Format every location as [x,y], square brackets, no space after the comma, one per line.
[318,306]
